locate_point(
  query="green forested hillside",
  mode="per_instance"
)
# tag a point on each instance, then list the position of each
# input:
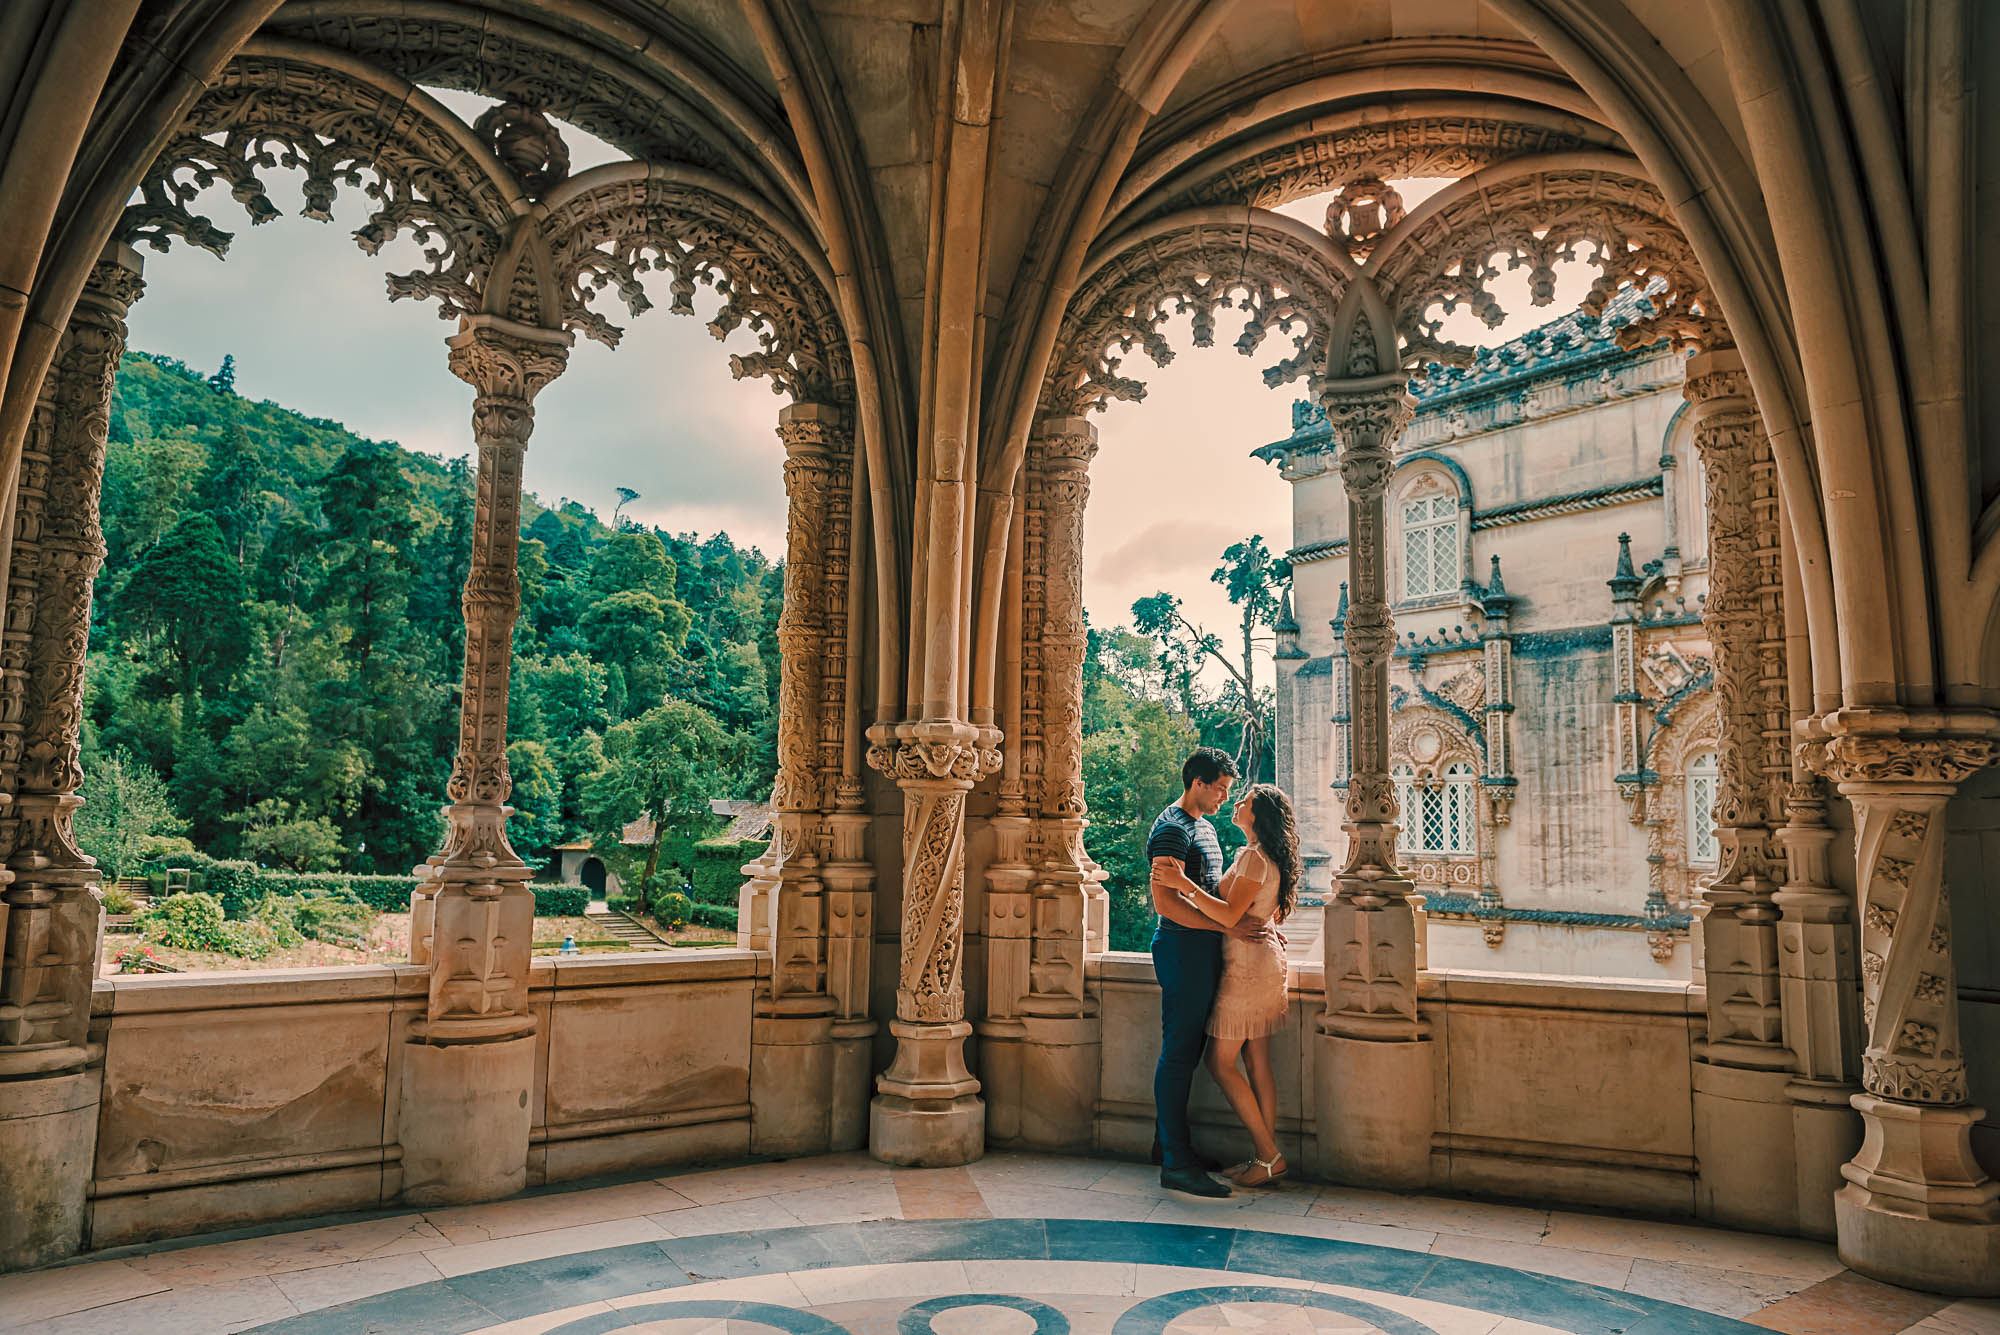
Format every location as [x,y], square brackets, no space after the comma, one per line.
[275,653]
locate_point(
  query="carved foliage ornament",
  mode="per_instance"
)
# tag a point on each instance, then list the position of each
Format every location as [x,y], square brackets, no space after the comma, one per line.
[608,239]
[1275,280]
[1619,224]
[267,113]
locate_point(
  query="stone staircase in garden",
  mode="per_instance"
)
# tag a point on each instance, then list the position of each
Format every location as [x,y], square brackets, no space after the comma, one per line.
[624,927]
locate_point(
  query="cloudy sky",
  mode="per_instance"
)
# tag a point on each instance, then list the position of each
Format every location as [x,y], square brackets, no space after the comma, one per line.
[303,312]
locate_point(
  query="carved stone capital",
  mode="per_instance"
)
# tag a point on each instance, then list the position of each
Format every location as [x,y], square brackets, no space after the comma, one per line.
[1366,417]
[1899,747]
[508,364]
[934,751]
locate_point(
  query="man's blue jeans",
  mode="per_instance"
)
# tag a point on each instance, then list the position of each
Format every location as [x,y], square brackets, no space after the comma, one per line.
[1188,965]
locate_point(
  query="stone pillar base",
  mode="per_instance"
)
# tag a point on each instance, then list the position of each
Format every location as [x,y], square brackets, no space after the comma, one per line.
[853,1075]
[48,1141]
[1917,1210]
[1374,1111]
[927,1112]
[791,1072]
[1041,1082]
[465,1119]
[1826,1133]
[1743,1144]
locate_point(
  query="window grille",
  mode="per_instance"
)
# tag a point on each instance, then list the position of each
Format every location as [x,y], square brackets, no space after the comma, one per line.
[1702,848]
[1459,810]
[1405,779]
[1430,546]
[1437,817]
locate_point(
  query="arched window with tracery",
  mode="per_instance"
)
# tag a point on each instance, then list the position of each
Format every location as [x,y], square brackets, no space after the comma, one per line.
[1430,545]
[1702,848]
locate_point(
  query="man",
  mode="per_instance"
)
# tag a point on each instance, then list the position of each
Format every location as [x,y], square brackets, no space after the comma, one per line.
[1187,960]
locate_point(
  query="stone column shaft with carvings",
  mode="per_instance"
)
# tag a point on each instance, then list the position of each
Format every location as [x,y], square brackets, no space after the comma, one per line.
[1058,923]
[49,908]
[1744,618]
[1917,1208]
[791,895]
[1371,937]
[50,915]
[926,1109]
[482,912]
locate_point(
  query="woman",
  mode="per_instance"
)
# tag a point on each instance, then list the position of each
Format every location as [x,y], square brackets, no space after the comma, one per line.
[1250,1003]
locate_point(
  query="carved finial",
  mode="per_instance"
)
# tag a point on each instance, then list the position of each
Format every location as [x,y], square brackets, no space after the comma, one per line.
[1340,612]
[1285,621]
[1625,581]
[1496,584]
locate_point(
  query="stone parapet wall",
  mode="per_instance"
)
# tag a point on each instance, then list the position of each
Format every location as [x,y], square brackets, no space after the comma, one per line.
[1569,1090]
[234,1099]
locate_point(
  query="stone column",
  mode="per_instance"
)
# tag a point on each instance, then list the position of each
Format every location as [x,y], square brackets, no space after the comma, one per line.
[1498,783]
[49,908]
[791,1057]
[1743,1114]
[927,1111]
[1050,1055]
[1917,1209]
[467,1071]
[1375,1065]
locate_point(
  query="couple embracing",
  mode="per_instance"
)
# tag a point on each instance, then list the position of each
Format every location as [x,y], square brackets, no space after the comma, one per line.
[1220,961]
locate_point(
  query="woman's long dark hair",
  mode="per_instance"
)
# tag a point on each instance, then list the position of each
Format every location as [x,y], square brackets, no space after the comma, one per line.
[1278,837]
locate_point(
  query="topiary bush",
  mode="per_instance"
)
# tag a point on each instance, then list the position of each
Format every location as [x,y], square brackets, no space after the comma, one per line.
[718,868]
[673,910]
[561,901]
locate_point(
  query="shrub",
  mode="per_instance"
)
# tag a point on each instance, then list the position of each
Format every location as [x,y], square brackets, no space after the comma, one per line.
[625,904]
[665,881]
[234,884]
[131,958]
[117,899]
[192,921]
[561,901]
[714,915]
[673,909]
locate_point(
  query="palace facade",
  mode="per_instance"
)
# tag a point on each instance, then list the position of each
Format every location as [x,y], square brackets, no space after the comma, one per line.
[1552,714]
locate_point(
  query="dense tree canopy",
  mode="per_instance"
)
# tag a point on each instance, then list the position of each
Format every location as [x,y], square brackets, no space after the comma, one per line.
[277,642]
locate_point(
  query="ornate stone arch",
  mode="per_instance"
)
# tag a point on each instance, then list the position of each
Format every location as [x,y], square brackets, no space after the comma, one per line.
[1532,213]
[284,104]
[1282,275]
[610,226]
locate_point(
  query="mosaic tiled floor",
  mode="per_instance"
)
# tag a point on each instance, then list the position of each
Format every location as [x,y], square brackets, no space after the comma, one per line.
[1014,1245]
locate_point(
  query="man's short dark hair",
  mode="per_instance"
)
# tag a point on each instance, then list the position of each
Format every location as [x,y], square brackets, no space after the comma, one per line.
[1207,765]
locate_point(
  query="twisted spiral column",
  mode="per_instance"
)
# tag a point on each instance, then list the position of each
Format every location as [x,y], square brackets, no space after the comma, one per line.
[1917,1209]
[927,1109]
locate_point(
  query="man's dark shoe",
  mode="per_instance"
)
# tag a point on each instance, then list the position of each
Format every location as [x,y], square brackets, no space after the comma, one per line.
[1192,1181]
[1201,1161]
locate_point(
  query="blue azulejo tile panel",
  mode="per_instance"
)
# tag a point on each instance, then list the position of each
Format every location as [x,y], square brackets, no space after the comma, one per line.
[1395,1278]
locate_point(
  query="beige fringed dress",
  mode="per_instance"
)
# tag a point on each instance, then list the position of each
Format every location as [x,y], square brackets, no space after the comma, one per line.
[1250,1003]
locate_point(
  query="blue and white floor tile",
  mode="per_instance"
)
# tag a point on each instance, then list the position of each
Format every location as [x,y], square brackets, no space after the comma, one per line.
[1014,1245]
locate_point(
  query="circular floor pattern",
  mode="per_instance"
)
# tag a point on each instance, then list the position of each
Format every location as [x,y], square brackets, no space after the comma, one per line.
[1004,1277]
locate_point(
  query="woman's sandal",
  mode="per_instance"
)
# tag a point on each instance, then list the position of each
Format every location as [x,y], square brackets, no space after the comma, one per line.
[1272,1173]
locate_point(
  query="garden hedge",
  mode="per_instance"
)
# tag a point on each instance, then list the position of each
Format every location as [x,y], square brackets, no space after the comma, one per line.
[718,869]
[239,886]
